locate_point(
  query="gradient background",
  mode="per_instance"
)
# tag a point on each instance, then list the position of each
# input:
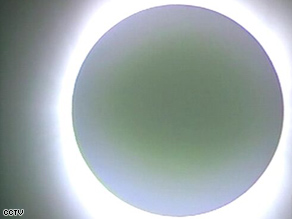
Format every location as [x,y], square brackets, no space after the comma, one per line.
[36,40]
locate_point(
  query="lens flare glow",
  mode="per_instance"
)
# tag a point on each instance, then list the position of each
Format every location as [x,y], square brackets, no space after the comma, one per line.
[100,203]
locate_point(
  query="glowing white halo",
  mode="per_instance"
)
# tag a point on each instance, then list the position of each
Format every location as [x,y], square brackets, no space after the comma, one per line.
[96,199]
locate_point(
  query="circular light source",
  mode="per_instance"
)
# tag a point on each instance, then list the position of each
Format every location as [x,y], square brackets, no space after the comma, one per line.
[177,110]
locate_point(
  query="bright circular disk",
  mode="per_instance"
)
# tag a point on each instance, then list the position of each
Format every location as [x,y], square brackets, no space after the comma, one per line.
[177,110]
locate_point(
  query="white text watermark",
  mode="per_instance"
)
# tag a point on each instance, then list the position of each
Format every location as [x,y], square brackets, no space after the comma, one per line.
[13,212]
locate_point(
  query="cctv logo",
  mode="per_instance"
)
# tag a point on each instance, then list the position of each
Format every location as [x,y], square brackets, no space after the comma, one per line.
[13,212]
